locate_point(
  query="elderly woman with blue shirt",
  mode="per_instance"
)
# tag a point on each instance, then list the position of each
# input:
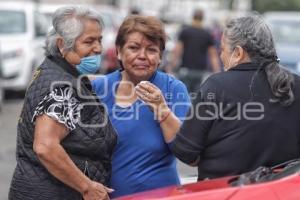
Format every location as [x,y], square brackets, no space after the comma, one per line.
[146,107]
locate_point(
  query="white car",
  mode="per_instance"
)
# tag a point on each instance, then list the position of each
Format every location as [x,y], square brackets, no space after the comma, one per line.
[286,30]
[22,37]
[1,87]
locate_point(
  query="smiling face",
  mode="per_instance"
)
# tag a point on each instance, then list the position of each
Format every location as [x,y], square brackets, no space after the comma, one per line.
[87,44]
[140,57]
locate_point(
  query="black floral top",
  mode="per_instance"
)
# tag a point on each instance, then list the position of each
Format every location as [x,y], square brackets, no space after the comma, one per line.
[61,105]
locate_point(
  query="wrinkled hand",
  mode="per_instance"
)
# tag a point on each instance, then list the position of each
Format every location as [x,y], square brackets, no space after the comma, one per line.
[97,191]
[153,97]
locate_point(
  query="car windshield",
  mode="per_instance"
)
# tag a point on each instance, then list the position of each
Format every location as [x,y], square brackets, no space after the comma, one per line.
[12,22]
[286,31]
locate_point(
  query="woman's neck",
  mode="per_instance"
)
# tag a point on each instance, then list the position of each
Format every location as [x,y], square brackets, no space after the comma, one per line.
[125,94]
[127,78]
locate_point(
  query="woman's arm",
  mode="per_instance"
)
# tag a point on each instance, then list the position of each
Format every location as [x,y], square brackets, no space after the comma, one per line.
[191,139]
[168,120]
[47,137]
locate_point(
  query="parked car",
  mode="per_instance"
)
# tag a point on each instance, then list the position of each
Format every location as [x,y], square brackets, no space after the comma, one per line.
[286,29]
[1,83]
[277,183]
[22,35]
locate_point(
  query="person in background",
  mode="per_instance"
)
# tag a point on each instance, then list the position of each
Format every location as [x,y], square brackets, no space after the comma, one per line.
[134,11]
[146,107]
[247,116]
[65,139]
[195,44]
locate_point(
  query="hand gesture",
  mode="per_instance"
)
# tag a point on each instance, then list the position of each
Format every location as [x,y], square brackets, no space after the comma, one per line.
[153,97]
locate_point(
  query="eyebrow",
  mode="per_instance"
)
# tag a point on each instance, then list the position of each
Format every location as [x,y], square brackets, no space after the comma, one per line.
[93,38]
[138,43]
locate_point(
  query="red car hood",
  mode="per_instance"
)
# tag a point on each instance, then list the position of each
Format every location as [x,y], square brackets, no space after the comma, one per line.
[287,188]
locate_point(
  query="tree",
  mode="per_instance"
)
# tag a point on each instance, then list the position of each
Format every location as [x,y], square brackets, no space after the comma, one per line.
[275,5]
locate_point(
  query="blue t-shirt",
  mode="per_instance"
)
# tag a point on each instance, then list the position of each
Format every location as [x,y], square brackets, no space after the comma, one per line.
[142,159]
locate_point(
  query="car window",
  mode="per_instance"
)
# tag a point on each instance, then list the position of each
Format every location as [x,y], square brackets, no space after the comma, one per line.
[41,24]
[12,22]
[286,31]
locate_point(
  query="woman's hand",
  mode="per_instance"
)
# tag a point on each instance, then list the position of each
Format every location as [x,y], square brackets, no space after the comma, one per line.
[152,96]
[96,191]
[47,137]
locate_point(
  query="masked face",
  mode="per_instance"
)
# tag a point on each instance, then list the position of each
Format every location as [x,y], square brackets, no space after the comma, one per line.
[89,65]
[86,54]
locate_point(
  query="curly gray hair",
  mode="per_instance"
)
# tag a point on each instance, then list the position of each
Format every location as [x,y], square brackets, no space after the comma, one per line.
[255,37]
[68,23]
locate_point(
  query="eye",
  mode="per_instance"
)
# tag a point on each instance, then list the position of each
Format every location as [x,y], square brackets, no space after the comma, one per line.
[152,49]
[132,47]
[88,42]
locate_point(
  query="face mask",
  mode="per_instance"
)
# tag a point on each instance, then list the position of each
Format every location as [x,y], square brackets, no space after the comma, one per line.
[89,64]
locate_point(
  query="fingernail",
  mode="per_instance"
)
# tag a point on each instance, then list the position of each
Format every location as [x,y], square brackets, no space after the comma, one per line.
[110,190]
[143,82]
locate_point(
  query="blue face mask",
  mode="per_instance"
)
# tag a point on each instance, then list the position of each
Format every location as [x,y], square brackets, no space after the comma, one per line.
[89,64]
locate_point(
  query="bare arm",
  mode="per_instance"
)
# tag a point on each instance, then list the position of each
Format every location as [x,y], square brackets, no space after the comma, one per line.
[47,137]
[214,59]
[169,123]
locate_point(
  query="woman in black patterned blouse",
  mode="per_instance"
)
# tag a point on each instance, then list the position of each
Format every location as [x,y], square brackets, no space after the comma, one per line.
[65,139]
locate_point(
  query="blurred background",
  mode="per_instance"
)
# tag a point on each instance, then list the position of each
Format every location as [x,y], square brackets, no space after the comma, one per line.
[24,24]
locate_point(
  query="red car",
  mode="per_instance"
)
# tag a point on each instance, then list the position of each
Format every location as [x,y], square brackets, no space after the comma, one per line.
[281,182]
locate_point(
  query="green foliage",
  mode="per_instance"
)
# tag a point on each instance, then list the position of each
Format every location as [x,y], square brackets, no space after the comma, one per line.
[276,5]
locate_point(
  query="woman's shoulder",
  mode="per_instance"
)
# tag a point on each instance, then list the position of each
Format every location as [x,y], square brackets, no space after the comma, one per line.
[103,81]
[172,81]
[109,77]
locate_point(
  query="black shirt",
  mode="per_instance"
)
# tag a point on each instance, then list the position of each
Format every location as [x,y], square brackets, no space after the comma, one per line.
[196,42]
[236,127]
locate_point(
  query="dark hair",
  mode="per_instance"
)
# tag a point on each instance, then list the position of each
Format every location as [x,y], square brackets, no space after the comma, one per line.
[149,26]
[198,15]
[255,37]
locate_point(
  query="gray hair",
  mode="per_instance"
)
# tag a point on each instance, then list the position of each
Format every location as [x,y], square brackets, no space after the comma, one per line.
[68,23]
[254,36]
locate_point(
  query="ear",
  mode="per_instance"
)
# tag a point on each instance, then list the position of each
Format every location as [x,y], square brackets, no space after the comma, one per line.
[60,44]
[240,53]
[119,53]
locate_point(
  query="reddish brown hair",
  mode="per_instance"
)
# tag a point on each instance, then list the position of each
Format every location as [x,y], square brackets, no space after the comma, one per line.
[149,26]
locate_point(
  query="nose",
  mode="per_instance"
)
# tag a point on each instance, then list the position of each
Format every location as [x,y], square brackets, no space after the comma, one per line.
[97,47]
[142,54]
